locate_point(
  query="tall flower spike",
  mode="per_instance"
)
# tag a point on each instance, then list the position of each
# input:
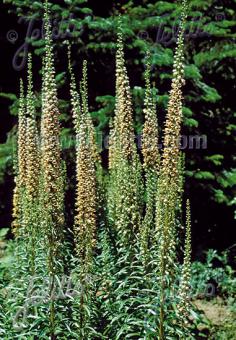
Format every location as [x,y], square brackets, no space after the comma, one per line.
[123,124]
[86,200]
[184,288]
[86,196]
[75,99]
[174,111]
[85,110]
[86,203]
[125,170]
[85,222]
[169,175]
[51,151]
[32,174]
[169,172]
[52,170]
[21,165]
[151,158]
[150,149]
[92,136]
[22,158]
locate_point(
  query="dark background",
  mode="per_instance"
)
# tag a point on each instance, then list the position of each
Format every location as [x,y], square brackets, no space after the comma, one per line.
[209,91]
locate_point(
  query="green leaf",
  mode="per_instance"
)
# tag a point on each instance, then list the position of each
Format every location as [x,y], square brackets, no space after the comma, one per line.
[205,175]
[3,232]
[215,159]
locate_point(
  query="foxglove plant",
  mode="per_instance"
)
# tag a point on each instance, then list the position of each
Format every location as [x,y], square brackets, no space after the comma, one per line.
[151,161]
[86,205]
[86,195]
[169,172]
[125,192]
[15,291]
[52,169]
[19,191]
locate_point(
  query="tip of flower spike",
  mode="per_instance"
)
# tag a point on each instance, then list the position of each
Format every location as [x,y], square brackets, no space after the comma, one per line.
[85,72]
[29,65]
[148,55]
[84,88]
[46,8]
[29,57]
[147,65]
[183,14]
[69,58]
[47,20]
[119,28]
[46,5]
[21,87]
[188,213]
[22,95]
[119,19]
